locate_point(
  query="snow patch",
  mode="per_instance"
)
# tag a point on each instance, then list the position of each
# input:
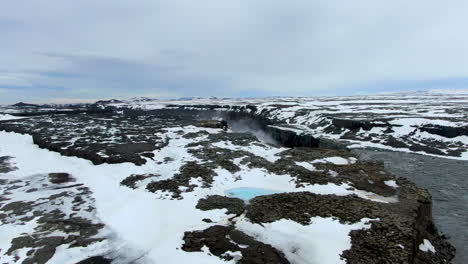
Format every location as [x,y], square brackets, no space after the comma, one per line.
[320,242]
[426,246]
[391,183]
[4,117]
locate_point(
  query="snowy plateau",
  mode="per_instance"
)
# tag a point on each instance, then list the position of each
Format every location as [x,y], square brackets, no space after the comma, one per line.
[209,180]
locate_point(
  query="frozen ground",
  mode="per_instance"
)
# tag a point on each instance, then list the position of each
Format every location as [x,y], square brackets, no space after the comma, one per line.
[138,217]
[426,123]
[152,188]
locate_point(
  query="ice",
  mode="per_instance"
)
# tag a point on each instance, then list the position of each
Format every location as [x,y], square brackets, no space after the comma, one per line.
[260,179]
[246,193]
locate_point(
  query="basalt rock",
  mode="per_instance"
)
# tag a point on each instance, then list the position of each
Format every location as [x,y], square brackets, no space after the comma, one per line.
[190,170]
[95,260]
[233,205]
[445,131]
[63,214]
[291,139]
[212,124]
[132,180]
[356,124]
[301,206]
[221,240]
[393,237]
[5,164]
[58,178]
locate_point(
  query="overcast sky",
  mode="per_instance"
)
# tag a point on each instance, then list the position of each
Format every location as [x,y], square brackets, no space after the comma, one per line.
[58,50]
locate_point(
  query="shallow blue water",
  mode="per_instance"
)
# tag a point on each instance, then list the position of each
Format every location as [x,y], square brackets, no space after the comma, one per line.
[246,193]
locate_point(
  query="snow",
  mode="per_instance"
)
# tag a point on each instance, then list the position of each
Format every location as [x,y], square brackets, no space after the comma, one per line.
[4,117]
[297,131]
[135,215]
[265,151]
[137,218]
[404,111]
[306,165]
[320,242]
[147,227]
[358,144]
[426,246]
[15,226]
[64,254]
[335,160]
[261,179]
[391,183]
[8,232]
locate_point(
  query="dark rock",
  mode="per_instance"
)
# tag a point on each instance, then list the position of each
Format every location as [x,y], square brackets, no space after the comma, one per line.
[17,208]
[393,142]
[291,139]
[233,205]
[5,165]
[363,175]
[111,101]
[95,260]
[190,170]
[212,124]
[221,239]
[21,104]
[404,223]
[58,178]
[425,148]
[356,124]
[50,220]
[302,205]
[132,180]
[331,144]
[45,248]
[445,131]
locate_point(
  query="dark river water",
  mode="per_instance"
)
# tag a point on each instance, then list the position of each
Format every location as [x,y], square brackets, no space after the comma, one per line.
[446,180]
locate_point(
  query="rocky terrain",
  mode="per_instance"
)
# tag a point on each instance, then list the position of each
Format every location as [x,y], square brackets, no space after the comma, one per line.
[44,212]
[137,182]
[434,124]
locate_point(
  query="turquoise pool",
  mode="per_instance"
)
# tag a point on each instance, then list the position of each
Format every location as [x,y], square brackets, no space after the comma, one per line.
[246,193]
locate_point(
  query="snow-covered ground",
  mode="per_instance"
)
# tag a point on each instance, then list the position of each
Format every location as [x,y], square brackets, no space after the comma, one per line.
[150,226]
[4,117]
[402,117]
[147,208]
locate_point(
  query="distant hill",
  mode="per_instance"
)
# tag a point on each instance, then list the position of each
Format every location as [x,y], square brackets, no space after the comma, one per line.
[111,101]
[141,99]
[21,104]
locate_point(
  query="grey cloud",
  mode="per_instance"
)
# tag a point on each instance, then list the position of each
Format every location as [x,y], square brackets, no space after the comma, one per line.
[232,48]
